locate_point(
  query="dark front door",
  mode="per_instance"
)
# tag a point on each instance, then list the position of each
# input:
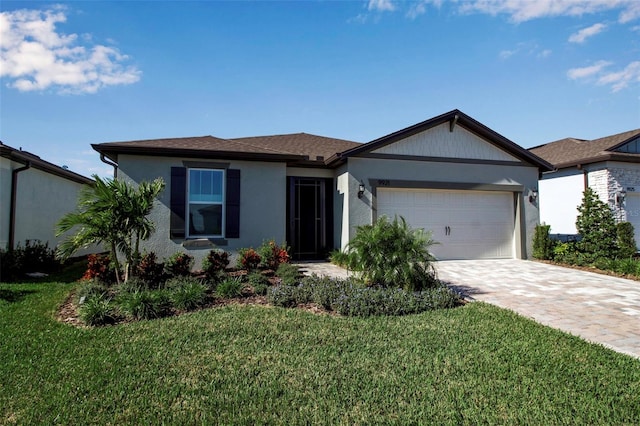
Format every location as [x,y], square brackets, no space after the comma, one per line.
[309,217]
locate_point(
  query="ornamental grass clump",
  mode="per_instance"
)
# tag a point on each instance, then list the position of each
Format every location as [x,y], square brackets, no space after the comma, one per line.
[392,254]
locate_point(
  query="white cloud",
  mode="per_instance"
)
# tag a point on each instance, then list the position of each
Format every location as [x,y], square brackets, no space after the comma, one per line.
[545,53]
[585,33]
[527,49]
[35,56]
[622,79]
[419,7]
[585,72]
[525,10]
[597,72]
[381,5]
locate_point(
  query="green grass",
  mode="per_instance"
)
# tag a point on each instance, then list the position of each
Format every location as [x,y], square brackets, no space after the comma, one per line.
[256,364]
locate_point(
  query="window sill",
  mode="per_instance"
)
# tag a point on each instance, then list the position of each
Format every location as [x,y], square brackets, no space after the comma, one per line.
[204,243]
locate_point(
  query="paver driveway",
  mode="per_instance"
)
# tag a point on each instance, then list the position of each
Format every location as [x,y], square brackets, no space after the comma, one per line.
[596,307]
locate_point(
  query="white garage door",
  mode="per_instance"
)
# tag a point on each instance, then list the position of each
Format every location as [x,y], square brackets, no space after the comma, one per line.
[467,224]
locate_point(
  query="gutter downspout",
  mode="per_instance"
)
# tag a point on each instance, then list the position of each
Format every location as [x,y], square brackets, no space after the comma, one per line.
[12,211]
[111,163]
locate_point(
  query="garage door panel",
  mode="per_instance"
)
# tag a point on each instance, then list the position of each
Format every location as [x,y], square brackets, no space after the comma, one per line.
[467,224]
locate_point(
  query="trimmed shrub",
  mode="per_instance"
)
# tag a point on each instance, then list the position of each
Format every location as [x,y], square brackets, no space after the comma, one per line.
[230,288]
[179,265]
[99,269]
[625,240]
[150,270]
[391,254]
[97,309]
[542,243]
[215,264]
[351,298]
[288,273]
[248,259]
[272,255]
[282,296]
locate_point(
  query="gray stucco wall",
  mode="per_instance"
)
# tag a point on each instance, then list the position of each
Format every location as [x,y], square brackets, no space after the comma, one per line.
[519,179]
[42,199]
[5,200]
[262,203]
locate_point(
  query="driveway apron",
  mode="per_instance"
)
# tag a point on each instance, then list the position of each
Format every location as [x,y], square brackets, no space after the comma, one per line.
[598,308]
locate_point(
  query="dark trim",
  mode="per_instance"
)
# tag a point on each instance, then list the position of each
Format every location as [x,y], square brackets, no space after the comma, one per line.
[419,184]
[38,163]
[12,210]
[232,204]
[178,202]
[444,159]
[626,141]
[205,165]
[111,163]
[614,156]
[196,153]
[463,120]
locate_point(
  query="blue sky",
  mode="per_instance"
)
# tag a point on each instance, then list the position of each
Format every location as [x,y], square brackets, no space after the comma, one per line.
[82,72]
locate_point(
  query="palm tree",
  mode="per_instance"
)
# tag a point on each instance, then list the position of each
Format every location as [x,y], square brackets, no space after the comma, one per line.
[111,212]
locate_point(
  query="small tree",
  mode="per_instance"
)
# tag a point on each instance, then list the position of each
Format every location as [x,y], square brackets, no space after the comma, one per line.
[626,240]
[596,226]
[542,243]
[113,212]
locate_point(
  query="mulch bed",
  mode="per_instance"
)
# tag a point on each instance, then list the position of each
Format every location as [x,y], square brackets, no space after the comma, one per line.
[68,311]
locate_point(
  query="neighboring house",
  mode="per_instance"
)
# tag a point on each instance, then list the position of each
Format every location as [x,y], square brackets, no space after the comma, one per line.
[451,175]
[34,195]
[609,165]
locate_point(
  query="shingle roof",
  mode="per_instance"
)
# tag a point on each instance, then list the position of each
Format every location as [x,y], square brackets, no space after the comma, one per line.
[293,147]
[305,144]
[571,151]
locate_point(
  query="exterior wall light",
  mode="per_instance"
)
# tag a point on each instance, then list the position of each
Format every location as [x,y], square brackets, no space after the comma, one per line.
[361,189]
[533,196]
[620,197]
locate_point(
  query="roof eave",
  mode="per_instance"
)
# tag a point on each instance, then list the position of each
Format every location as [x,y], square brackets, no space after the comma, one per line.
[456,117]
[112,153]
[43,165]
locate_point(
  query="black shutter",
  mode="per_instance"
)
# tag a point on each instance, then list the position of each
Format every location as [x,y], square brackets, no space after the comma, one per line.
[178,201]
[232,206]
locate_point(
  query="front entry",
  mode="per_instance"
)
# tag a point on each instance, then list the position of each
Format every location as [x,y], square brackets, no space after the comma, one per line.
[309,230]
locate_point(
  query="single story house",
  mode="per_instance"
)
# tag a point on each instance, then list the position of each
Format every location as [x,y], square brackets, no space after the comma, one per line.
[34,196]
[609,165]
[451,175]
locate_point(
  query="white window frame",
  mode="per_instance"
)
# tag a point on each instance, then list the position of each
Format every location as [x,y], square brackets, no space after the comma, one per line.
[221,203]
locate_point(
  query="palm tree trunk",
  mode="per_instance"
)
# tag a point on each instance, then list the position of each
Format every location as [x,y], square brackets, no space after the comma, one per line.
[114,257]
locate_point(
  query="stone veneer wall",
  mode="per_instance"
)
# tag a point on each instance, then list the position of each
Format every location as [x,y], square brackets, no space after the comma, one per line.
[606,182]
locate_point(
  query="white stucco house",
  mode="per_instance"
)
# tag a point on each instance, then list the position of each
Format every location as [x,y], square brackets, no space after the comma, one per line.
[450,175]
[609,165]
[34,195]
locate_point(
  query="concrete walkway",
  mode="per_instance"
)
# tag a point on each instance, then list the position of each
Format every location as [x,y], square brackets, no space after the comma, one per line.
[598,308]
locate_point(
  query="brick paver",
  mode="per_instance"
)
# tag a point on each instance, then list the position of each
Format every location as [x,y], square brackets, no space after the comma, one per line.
[598,308]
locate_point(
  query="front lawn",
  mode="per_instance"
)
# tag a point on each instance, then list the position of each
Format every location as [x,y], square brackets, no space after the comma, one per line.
[258,364]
